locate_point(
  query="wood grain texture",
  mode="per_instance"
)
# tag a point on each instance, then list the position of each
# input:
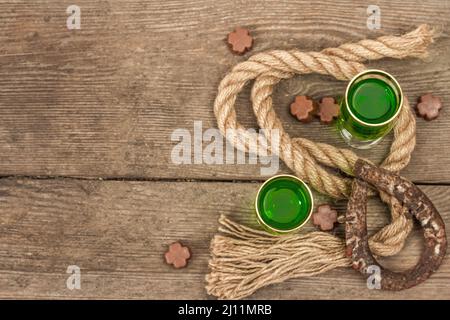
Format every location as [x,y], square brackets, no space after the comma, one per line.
[117,233]
[103,101]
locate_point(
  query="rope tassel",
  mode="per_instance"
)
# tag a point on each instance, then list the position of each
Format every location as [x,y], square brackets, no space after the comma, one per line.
[243,259]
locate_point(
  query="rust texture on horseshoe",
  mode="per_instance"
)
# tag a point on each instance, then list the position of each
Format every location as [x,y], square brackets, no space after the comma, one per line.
[419,206]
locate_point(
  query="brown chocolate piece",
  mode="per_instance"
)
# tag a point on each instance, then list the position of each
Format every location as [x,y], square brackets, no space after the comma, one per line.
[420,207]
[324,217]
[328,110]
[429,106]
[177,255]
[240,40]
[303,108]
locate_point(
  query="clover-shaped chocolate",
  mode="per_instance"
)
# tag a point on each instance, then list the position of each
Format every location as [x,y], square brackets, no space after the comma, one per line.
[177,255]
[240,40]
[324,217]
[328,110]
[429,106]
[303,108]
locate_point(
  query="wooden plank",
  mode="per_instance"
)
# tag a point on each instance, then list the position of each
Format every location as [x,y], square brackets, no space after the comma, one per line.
[117,233]
[103,101]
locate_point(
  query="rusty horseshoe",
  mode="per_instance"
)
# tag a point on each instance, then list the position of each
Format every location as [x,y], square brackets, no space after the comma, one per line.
[419,206]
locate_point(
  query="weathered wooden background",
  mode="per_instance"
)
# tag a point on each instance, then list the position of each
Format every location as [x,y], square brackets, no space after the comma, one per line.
[85,123]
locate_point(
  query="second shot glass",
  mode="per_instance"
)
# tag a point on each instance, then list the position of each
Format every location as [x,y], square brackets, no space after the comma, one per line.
[372,102]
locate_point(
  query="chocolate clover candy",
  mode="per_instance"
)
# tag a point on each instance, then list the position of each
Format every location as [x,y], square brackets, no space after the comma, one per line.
[328,110]
[177,255]
[240,40]
[419,206]
[303,108]
[429,106]
[324,217]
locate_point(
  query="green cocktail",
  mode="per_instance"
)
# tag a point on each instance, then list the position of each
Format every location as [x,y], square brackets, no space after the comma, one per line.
[372,102]
[284,203]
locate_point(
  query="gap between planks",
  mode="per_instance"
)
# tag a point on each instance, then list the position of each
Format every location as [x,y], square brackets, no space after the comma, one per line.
[159,179]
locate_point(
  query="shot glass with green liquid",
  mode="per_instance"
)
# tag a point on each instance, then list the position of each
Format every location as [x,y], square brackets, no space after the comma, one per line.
[284,203]
[371,104]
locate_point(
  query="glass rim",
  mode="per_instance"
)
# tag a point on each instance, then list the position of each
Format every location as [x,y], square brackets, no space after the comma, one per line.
[387,75]
[258,214]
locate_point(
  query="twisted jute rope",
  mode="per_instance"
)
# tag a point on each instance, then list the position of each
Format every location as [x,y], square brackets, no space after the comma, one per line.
[243,259]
